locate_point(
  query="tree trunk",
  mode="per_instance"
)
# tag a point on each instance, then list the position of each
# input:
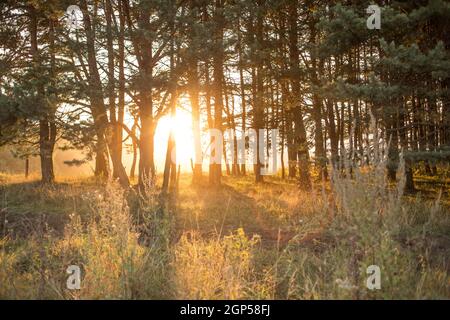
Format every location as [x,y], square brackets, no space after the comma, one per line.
[242,88]
[102,125]
[27,167]
[47,136]
[316,69]
[258,118]
[170,169]
[118,131]
[135,150]
[300,131]
[194,98]
[47,126]
[216,168]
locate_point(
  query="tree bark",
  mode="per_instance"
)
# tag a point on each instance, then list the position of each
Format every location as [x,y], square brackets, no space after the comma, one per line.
[258,118]
[216,168]
[302,153]
[102,125]
[47,126]
[193,83]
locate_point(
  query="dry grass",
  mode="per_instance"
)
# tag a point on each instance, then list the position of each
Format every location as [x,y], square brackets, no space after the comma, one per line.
[215,268]
[266,241]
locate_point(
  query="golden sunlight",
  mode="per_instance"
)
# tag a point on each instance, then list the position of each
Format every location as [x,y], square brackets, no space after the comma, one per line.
[182,126]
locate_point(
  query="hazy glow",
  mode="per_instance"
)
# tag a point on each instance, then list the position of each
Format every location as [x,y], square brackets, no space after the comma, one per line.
[182,126]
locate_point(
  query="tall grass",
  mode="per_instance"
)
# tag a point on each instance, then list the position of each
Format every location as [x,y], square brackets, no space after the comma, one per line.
[357,221]
[372,223]
[127,248]
[218,268]
[104,244]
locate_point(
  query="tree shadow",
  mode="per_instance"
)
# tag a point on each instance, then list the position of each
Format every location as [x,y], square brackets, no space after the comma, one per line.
[219,211]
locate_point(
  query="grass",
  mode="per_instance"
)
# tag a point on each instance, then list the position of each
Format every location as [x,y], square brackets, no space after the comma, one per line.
[265,241]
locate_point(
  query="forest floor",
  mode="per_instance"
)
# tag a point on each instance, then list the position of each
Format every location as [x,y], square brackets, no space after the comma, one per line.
[242,240]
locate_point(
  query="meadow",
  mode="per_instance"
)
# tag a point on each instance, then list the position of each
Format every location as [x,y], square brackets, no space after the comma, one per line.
[239,241]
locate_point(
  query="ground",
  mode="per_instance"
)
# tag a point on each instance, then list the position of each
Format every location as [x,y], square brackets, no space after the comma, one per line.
[241,240]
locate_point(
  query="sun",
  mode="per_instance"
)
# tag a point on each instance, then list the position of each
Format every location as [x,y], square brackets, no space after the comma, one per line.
[181,125]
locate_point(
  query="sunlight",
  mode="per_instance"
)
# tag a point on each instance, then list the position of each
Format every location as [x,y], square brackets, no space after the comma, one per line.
[182,126]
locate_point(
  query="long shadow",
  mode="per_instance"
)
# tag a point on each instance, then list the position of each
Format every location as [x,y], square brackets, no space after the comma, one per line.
[220,211]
